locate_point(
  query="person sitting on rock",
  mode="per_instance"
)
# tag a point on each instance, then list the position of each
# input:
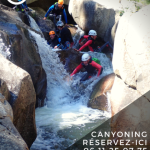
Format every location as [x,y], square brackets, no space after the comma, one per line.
[56,10]
[65,35]
[90,38]
[90,66]
[23,7]
[54,40]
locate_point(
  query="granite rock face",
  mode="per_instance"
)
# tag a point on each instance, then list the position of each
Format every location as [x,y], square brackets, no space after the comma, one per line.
[9,136]
[22,100]
[131,63]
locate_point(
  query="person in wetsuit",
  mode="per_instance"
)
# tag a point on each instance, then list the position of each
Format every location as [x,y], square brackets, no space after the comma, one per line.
[90,66]
[56,10]
[65,35]
[91,38]
[54,40]
[23,7]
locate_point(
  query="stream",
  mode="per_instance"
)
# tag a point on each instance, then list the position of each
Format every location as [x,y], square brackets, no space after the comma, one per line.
[65,118]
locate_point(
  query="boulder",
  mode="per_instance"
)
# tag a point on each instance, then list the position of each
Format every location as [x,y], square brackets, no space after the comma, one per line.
[70,58]
[99,102]
[23,98]
[130,111]
[100,15]
[121,96]
[133,50]
[92,15]
[9,136]
[132,73]
[98,98]
[103,86]
[14,32]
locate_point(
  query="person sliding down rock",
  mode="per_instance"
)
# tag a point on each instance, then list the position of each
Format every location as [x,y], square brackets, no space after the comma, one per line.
[91,38]
[54,40]
[56,10]
[90,66]
[65,35]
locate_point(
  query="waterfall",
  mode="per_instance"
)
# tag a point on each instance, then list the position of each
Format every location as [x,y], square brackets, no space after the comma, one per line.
[66,117]
[33,24]
[4,50]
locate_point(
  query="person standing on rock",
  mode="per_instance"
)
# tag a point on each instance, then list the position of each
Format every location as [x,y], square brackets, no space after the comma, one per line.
[56,10]
[90,66]
[65,35]
[23,7]
[90,38]
[54,40]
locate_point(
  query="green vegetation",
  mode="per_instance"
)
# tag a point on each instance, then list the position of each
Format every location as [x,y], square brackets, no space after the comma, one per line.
[144,2]
[121,13]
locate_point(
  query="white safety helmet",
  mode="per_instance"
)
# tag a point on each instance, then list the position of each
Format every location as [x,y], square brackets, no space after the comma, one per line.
[92,32]
[60,23]
[85,57]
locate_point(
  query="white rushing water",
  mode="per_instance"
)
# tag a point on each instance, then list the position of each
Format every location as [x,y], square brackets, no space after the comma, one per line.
[34,25]
[66,116]
[4,50]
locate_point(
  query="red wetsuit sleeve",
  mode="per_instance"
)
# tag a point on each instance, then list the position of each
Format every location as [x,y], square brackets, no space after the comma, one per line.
[91,49]
[97,66]
[83,37]
[77,69]
[85,45]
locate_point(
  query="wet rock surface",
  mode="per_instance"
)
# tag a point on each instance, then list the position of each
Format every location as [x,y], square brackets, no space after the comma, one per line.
[70,58]
[98,98]
[14,30]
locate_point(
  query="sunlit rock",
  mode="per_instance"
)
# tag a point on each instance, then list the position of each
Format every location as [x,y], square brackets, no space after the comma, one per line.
[131,63]
[9,136]
[22,100]
[131,50]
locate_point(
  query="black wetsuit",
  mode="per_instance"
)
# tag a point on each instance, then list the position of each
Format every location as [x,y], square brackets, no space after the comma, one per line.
[91,71]
[66,36]
[53,42]
[55,10]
